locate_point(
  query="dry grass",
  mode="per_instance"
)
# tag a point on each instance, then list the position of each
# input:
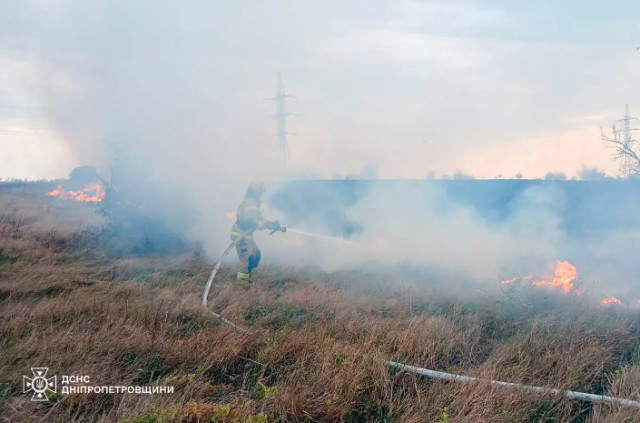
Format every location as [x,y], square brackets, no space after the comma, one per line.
[318,343]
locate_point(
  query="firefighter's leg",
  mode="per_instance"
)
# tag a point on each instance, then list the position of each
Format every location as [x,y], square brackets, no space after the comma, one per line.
[254,259]
[245,249]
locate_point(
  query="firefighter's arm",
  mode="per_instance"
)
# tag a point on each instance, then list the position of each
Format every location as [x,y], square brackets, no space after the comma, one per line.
[272,225]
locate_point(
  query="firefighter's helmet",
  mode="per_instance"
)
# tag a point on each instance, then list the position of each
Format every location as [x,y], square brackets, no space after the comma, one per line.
[256,185]
[256,188]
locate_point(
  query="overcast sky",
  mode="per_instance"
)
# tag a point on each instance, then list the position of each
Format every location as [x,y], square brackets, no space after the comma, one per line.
[403,87]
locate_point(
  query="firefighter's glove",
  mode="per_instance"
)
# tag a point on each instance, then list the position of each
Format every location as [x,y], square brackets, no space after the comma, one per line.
[275,227]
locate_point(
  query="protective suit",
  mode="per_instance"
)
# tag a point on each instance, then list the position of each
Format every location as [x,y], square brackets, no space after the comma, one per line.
[248,220]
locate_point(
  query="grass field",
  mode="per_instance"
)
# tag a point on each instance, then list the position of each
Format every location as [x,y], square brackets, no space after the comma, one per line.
[316,345]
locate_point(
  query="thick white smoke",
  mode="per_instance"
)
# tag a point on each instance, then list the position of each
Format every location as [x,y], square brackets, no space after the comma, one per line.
[420,223]
[172,97]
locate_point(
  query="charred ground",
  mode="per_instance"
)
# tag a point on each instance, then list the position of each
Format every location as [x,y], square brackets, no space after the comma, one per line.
[69,303]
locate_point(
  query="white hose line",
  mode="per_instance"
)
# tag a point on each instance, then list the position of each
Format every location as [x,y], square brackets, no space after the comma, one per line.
[205,294]
[550,391]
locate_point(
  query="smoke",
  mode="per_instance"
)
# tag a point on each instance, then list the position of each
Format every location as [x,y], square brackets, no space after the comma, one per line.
[483,231]
[164,96]
[171,97]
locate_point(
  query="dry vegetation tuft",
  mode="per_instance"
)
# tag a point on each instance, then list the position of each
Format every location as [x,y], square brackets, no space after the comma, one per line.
[318,343]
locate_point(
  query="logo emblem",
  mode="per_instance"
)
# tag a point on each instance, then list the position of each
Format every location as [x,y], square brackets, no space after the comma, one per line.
[39,384]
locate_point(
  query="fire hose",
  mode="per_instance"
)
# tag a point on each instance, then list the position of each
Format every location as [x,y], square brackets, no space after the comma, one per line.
[207,288]
[580,396]
[205,294]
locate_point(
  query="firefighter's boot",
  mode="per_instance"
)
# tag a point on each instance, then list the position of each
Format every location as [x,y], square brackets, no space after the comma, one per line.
[244,277]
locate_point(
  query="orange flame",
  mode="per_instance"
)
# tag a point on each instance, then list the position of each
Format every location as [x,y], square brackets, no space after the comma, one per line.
[610,300]
[90,193]
[512,280]
[230,215]
[564,275]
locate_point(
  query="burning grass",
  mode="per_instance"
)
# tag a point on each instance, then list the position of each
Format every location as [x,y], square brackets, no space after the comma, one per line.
[317,346]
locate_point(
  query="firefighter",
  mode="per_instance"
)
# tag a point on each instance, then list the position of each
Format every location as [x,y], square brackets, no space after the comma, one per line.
[249,219]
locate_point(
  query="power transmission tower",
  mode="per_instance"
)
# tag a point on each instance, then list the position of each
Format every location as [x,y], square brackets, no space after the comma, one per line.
[623,133]
[281,122]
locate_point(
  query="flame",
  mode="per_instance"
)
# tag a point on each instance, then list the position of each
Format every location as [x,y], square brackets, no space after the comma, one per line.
[611,300]
[512,280]
[564,275]
[230,215]
[90,194]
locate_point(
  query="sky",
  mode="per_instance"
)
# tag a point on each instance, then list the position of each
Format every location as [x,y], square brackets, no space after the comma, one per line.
[395,89]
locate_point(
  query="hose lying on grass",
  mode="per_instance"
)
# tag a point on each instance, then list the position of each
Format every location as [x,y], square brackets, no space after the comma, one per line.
[205,294]
[581,396]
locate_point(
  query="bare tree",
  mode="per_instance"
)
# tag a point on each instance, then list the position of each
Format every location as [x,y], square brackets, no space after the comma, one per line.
[627,151]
